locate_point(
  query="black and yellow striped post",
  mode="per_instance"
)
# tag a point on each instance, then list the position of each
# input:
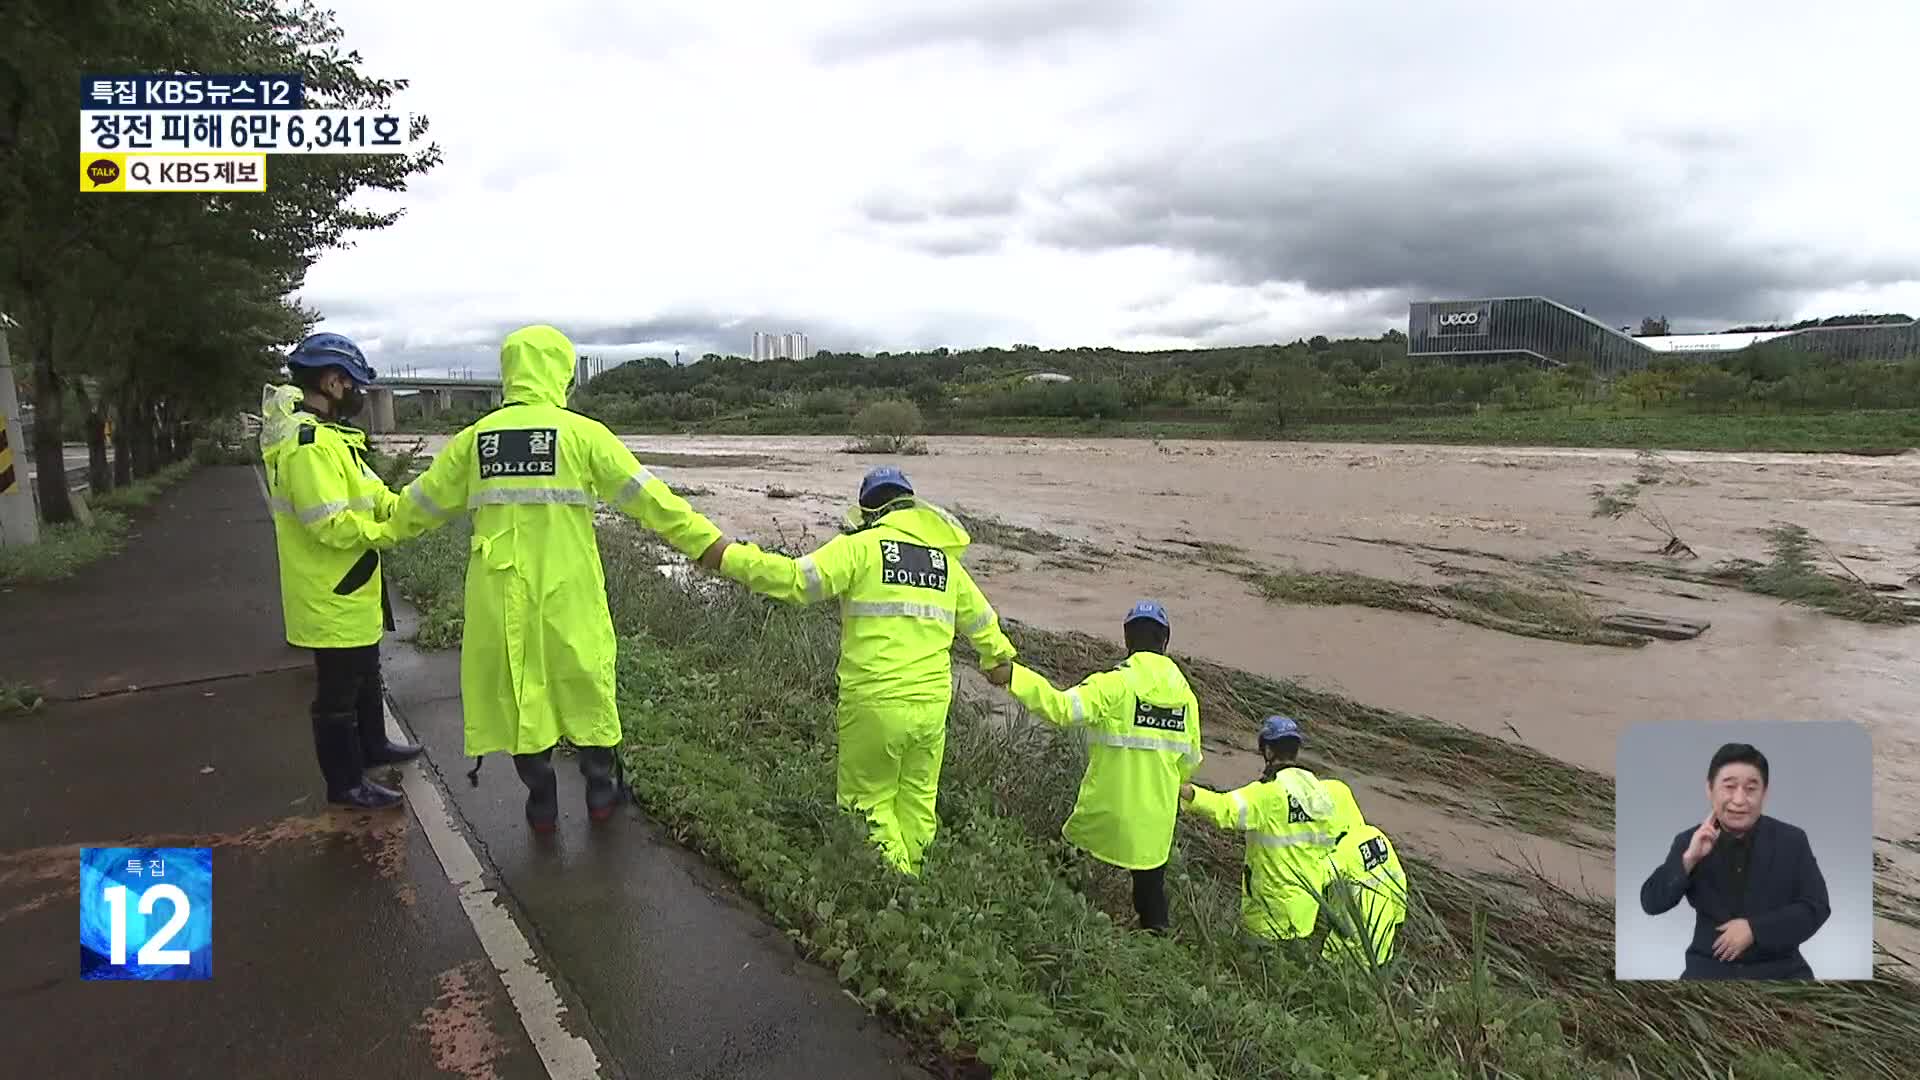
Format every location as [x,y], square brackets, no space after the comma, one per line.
[9,479]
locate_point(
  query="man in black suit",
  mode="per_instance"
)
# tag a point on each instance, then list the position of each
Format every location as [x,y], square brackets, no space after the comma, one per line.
[1756,891]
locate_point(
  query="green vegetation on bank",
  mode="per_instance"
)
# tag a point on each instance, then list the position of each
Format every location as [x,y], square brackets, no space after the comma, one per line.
[1765,397]
[1009,953]
[65,548]
[1556,615]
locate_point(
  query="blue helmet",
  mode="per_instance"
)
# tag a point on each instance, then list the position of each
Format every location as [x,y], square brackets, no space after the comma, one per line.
[1274,728]
[332,350]
[1152,612]
[885,476]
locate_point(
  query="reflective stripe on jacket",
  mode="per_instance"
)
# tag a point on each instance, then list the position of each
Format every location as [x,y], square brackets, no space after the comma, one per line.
[537,653]
[326,502]
[1365,866]
[1142,724]
[903,596]
[1289,822]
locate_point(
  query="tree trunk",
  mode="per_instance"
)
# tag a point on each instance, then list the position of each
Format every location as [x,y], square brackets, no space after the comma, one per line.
[163,437]
[140,430]
[49,420]
[123,440]
[99,471]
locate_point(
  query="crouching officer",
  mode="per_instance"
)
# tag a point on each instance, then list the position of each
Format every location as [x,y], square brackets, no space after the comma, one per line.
[326,502]
[1366,890]
[903,595]
[537,651]
[1143,742]
[1287,815]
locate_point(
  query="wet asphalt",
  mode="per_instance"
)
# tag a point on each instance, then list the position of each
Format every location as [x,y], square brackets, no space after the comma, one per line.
[177,716]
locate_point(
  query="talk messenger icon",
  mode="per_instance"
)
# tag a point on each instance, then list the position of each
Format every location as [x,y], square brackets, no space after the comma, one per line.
[103,171]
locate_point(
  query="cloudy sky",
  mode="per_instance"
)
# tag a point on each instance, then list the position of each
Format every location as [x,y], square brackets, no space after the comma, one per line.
[1133,173]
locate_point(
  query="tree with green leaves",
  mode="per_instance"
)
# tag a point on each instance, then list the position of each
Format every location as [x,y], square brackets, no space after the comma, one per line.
[171,304]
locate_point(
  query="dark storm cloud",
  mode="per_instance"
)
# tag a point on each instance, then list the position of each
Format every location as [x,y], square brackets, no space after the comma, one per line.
[1586,230]
[999,26]
[1576,230]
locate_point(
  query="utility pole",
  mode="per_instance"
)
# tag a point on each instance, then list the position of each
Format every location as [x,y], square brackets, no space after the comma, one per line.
[19,520]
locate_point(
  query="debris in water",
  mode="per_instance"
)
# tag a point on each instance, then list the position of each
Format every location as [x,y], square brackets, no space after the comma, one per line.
[1648,624]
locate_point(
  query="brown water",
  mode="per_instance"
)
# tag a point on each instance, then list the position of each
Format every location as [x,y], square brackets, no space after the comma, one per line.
[1383,510]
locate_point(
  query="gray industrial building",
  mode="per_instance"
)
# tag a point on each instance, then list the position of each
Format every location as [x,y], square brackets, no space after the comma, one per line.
[1548,334]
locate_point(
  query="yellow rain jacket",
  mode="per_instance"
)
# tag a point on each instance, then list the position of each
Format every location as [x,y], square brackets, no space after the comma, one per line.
[327,503]
[1366,867]
[1287,821]
[537,655]
[903,596]
[1142,725]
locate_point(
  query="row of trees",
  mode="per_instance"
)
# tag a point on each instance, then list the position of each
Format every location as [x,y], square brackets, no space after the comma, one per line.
[156,310]
[1360,377]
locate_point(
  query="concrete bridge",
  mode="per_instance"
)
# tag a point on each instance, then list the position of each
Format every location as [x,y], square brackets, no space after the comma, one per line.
[436,394]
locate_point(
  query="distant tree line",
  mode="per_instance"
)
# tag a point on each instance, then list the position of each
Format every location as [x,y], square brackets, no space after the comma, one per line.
[1316,380]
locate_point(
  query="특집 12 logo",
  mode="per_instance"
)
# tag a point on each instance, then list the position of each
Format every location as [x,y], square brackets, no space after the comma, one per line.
[146,913]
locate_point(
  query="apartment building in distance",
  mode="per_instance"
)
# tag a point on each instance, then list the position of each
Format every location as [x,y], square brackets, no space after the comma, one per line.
[781,346]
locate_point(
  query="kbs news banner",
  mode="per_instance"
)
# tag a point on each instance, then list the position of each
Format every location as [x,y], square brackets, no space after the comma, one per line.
[206,122]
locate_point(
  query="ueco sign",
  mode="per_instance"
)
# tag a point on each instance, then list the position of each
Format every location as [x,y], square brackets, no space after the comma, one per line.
[1472,320]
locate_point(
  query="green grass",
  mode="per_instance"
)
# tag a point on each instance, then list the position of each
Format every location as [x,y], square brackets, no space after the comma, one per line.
[987,529]
[1560,615]
[1009,953]
[65,549]
[1791,573]
[17,699]
[1869,431]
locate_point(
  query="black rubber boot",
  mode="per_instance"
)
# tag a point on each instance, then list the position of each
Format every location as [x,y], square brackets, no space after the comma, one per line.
[603,795]
[375,747]
[543,788]
[336,742]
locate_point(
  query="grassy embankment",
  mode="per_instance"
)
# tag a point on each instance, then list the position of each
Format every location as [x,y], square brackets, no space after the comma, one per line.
[1869,431]
[1008,953]
[65,548]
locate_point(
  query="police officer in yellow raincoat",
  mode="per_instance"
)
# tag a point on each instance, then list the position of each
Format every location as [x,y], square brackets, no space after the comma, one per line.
[903,595]
[537,654]
[326,502]
[1366,888]
[1288,817]
[1142,724]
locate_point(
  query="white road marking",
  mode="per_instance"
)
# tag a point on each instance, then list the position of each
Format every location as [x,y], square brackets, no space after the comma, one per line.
[566,1056]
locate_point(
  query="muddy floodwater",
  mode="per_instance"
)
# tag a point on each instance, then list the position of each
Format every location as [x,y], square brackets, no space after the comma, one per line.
[1128,512]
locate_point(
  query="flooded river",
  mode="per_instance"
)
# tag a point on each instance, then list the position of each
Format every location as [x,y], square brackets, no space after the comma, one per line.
[1417,513]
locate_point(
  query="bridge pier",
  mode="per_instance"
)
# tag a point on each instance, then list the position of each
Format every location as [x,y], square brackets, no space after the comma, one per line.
[380,410]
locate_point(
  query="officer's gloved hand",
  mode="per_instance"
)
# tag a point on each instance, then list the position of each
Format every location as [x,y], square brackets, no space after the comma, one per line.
[1000,676]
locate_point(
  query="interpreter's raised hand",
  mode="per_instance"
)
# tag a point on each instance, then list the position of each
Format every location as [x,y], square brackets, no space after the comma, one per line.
[1736,937]
[1000,676]
[1702,842]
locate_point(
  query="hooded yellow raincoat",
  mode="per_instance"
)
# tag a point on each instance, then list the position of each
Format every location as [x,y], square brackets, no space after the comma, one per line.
[903,595]
[1142,724]
[327,503]
[537,655]
[1365,865]
[1287,821]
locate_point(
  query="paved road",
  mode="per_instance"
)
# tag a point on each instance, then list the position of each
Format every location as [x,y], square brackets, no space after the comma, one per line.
[439,941]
